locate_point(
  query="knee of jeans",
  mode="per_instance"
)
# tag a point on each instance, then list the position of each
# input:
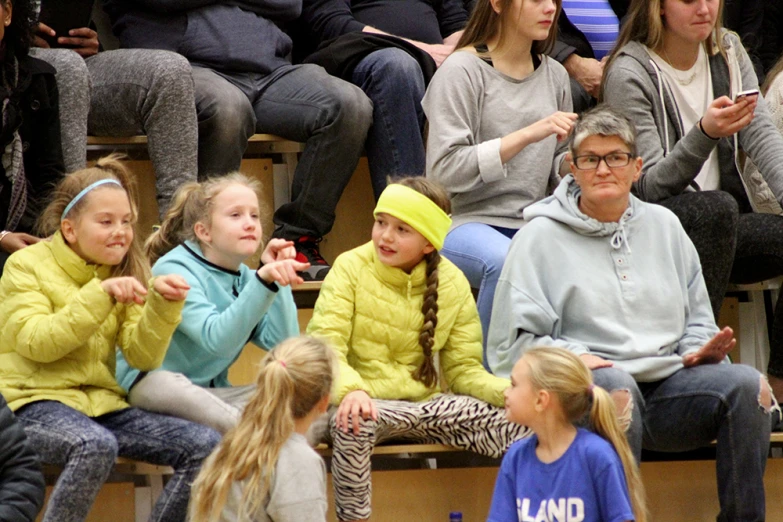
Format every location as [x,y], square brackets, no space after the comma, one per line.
[399,69]
[623,401]
[346,105]
[226,118]
[766,399]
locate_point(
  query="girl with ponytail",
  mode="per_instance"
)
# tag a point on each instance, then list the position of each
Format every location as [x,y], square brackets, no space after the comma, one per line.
[393,309]
[210,229]
[264,469]
[563,469]
[69,305]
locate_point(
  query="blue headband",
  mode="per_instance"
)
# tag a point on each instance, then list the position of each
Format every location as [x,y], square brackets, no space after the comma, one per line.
[84,192]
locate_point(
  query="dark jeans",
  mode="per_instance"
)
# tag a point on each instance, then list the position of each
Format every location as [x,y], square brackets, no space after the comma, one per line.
[393,81]
[87,448]
[298,102]
[741,248]
[695,406]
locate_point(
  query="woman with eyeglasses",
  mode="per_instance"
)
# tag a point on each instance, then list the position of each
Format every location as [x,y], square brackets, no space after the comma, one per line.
[691,90]
[618,282]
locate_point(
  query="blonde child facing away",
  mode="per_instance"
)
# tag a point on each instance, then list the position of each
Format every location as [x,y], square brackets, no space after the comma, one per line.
[264,470]
[564,472]
[66,305]
[388,308]
[210,230]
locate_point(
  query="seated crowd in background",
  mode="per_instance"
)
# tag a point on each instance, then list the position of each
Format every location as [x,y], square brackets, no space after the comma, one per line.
[500,96]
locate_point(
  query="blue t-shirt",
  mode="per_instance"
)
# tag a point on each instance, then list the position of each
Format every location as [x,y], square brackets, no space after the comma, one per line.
[586,484]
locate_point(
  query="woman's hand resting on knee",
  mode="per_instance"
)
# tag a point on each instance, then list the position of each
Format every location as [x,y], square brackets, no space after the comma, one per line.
[714,351]
[358,404]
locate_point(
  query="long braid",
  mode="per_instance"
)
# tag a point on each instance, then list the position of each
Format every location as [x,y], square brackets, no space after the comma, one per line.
[427,373]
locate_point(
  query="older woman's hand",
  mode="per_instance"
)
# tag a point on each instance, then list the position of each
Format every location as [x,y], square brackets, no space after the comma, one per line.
[714,351]
[594,362]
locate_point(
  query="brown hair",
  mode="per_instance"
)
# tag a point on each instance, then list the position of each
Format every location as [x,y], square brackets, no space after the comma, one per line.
[109,167]
[484,24]
[771,75]
[644,24]
[565,375]
[192,203]
[293,378]
[426,373]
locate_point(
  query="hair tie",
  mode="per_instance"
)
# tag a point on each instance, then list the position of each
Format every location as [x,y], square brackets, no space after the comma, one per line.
[283,364]
[590,389]
[84,192]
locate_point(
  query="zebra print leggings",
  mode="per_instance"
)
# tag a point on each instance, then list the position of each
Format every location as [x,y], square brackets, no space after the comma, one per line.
[456,420]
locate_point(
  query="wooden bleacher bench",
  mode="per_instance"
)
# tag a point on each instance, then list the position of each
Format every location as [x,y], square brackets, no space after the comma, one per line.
[284,154]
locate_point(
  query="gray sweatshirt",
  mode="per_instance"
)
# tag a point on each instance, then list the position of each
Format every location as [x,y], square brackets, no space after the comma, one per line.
[298,490]
[470,106]
[631,292]
[674,156]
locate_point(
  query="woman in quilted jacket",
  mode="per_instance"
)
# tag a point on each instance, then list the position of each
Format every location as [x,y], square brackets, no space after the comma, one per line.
[393,309]
[66,304]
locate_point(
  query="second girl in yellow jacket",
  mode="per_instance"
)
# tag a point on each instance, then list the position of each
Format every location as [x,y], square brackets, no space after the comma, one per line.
[392,309]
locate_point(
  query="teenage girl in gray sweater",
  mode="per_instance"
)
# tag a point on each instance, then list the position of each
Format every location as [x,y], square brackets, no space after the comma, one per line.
[499,110]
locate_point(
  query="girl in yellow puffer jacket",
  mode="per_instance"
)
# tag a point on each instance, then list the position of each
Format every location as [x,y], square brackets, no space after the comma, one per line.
[66,304]
[389,307]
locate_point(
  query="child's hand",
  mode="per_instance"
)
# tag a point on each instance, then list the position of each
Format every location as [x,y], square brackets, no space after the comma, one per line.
[283,272]
[278,250]
[358,404]
[124,289]
[172,287]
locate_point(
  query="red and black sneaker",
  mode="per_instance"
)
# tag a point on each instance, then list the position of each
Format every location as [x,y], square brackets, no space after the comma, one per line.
[307,252]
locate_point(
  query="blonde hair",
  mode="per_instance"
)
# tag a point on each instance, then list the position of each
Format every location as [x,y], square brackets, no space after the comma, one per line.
[565,375]
[134,264]
[427,373]
[484,23]
[193,203]
[293,378]
[644,24]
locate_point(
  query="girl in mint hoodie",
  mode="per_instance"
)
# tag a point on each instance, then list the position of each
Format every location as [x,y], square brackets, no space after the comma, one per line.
[210,229]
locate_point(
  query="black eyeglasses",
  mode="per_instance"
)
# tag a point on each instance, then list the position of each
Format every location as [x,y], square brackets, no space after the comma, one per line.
[613,160]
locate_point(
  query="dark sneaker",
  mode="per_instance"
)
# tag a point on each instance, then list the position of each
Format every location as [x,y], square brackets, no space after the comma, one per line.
[307,252]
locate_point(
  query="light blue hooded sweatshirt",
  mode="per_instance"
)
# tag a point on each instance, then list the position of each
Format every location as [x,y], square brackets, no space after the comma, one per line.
[631,292]
[224,310]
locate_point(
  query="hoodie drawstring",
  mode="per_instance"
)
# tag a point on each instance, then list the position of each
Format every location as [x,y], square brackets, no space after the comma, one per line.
[620,238]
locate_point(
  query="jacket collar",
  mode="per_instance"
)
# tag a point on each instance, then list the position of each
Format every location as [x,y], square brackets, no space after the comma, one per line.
[77,268]
[193,248]
[398,278]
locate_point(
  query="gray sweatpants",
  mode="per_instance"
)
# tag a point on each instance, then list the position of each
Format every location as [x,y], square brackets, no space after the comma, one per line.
[124,93]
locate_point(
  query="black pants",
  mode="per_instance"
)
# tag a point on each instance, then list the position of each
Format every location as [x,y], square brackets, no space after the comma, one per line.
[734,247]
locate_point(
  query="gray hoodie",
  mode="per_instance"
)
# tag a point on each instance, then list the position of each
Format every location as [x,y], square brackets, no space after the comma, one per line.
[631,292]
[674,157]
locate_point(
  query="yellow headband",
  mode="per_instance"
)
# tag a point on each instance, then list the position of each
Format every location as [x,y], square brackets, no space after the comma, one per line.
[417,210]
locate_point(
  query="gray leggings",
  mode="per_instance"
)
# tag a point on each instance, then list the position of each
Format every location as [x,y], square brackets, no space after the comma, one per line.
[124,93]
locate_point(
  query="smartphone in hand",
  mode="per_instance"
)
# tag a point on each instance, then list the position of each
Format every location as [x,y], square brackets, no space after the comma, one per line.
[745,94]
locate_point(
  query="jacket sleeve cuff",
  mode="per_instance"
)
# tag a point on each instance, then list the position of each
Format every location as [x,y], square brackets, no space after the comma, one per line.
[490,167]
[270,286]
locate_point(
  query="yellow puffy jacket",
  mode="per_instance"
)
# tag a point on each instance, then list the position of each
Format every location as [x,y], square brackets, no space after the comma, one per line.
[371,315]
[59,331]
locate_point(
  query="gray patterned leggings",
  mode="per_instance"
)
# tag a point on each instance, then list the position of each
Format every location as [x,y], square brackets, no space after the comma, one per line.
[86,448]
[455,420]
